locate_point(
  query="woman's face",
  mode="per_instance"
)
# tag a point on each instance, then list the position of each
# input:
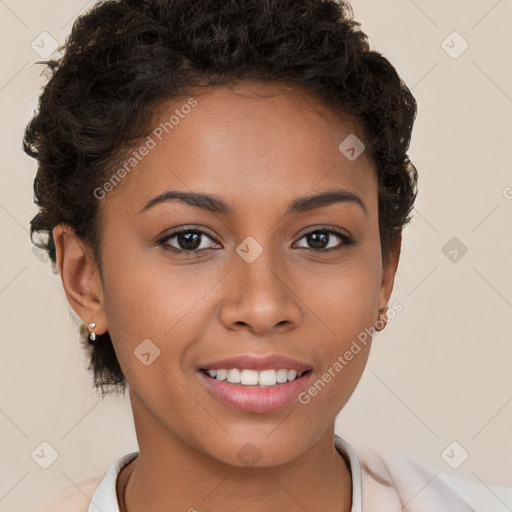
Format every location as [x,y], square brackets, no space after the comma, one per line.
[265,279]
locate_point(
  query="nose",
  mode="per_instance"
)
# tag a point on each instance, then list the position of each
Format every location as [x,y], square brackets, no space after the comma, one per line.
[260,296]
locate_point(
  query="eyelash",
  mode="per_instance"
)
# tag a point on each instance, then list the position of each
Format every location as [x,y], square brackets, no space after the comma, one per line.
[346,240]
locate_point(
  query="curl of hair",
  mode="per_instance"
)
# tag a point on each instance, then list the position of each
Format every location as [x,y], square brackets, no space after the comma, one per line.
[125,58]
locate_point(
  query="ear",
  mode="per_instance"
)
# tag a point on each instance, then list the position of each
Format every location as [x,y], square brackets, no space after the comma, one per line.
[389,271]
[80,277]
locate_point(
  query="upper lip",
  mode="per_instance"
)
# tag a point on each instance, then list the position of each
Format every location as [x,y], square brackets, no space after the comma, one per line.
[252,362]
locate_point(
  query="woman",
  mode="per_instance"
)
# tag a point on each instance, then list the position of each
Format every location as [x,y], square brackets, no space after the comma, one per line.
[224,184]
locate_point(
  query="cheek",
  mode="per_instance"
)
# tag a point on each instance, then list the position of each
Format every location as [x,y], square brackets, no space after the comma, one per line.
[344,304]
[154,307]
[345,297]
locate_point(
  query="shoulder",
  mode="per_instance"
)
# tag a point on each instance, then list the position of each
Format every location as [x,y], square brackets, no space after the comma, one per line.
[72,498]
[391,482]
[100,490]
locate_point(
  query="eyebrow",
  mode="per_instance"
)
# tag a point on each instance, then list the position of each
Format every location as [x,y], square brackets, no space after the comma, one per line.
[216,205]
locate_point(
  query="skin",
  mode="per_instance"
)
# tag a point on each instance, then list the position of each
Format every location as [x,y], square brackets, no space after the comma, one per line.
[257,154]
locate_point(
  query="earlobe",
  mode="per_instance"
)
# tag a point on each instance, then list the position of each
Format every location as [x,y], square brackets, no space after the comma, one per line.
[80,277]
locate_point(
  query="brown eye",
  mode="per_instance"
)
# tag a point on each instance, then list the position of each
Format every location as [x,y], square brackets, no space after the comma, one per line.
[323,240]
[186,240]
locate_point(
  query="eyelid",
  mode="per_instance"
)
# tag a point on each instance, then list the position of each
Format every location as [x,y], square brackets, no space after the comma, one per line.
[185,229]
[327,227]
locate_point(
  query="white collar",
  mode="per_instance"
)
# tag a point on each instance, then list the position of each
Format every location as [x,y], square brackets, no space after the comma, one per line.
[350,456]
[105,497]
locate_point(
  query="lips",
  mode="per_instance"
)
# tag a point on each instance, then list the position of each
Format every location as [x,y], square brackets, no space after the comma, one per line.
[258,363]
[255,397]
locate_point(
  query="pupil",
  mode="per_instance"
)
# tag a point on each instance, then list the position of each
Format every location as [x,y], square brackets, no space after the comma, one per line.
[189,241]
[316,240]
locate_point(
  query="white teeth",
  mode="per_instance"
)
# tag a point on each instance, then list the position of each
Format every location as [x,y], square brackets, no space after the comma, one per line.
[234,376]
[249,377]
[221,374]
[267,378]
[253,377]
[282,375]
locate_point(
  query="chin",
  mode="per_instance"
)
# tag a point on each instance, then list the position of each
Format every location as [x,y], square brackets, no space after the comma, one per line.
[255,448]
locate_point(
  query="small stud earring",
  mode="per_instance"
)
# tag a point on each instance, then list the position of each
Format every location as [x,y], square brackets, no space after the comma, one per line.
[92,336]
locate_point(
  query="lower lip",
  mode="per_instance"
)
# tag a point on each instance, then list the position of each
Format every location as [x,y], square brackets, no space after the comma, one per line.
[254,398]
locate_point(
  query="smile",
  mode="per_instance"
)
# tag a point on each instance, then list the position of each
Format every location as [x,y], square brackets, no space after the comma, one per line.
[246,377]
[248,395]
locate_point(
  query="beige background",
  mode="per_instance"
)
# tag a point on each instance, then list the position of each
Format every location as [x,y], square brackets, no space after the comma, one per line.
[439,373]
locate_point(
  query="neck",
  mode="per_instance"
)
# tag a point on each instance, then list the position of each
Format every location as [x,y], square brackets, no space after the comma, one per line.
[169,474]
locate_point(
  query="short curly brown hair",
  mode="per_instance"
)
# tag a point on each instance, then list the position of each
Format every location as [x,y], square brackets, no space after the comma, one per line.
[124,58]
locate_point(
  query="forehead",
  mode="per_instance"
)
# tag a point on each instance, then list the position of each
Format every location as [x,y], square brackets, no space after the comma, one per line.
[248,141]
